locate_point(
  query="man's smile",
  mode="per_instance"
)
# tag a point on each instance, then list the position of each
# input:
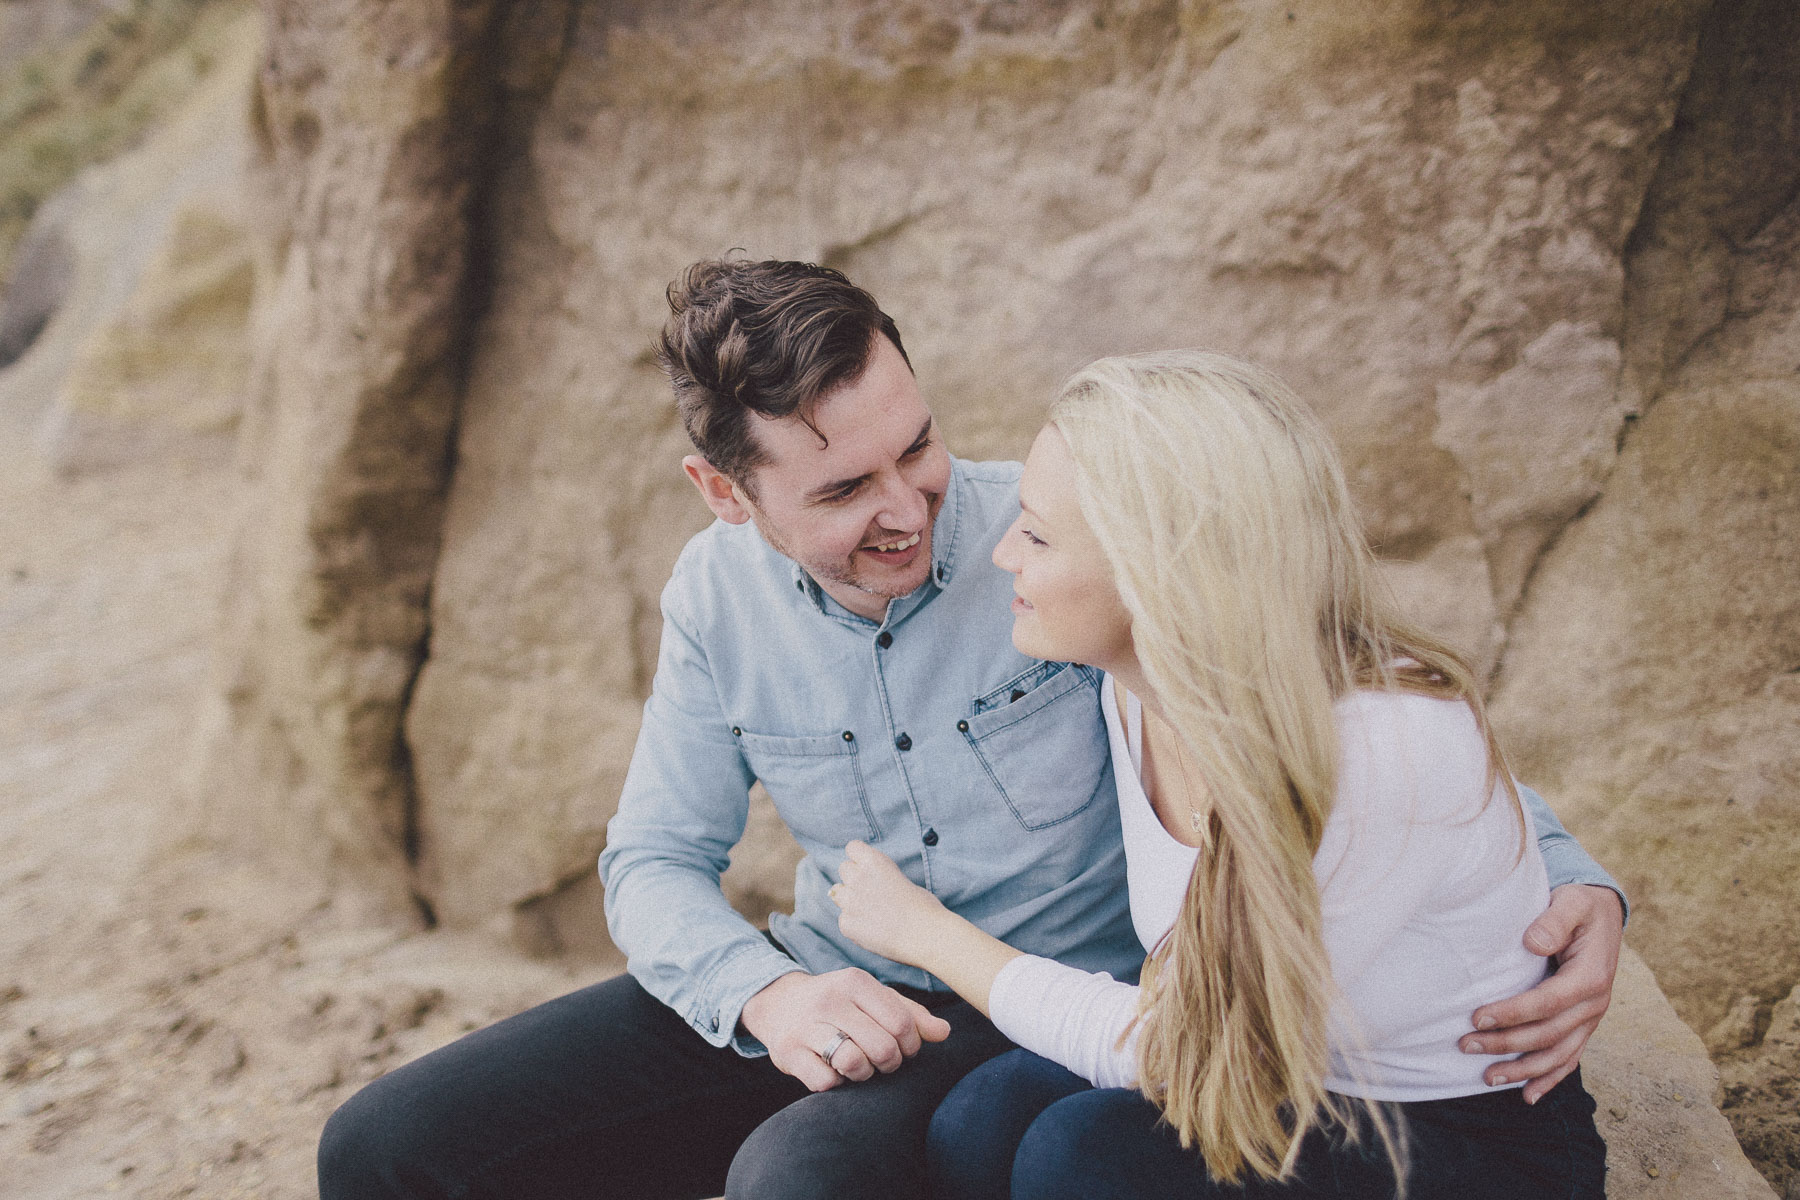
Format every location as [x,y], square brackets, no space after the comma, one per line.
[896,553]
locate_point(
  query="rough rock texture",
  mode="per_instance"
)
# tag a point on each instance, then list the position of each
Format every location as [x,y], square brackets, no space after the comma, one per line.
[172,367]
[1656,1096]
[1418,219]
[107,315]
[1652,683]
[1762,1087]
[166,370]
[371,122]
[29,25]
[81,82]
[36,286]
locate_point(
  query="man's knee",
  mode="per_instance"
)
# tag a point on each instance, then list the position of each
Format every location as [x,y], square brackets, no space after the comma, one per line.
[817,1148]
[376,1145]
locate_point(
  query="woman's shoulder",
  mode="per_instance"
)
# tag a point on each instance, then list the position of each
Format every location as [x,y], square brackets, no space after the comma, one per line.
[1427,747]
[1404,718]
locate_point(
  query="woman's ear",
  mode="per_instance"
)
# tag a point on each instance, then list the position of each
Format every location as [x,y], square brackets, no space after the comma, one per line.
[726,500]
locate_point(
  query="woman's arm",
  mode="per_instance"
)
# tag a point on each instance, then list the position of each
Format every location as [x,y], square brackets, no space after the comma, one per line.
[884,911]
[1068,1015]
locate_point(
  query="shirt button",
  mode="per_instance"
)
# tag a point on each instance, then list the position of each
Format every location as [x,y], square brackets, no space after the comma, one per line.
[903,742]
[848,736]
[930,838]
[884,639]
[736,732]
[962,727]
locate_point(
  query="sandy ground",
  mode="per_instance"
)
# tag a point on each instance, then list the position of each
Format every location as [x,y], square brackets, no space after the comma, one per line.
[171,1024]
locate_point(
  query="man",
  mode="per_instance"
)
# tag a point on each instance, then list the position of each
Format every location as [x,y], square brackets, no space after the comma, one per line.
[840,634]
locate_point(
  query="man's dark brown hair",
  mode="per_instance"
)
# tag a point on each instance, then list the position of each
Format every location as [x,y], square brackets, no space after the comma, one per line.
[769,338]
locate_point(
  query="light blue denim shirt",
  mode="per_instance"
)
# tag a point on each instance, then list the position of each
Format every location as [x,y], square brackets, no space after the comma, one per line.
[981,772]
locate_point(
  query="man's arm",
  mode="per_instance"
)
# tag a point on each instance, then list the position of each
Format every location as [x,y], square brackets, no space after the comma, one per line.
[1565,862]
[1548,1026]
[683,807]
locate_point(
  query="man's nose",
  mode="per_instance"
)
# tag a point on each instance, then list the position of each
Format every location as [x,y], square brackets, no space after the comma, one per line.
[903,506]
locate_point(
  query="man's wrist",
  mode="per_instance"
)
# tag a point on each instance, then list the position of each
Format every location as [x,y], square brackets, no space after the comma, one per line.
[762,1002]
[1616,896]
[1612,892]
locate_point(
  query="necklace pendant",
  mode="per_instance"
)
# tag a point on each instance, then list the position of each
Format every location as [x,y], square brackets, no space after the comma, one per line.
[1195,820]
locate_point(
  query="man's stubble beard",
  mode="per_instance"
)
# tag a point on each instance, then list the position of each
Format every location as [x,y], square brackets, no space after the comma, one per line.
[844,572]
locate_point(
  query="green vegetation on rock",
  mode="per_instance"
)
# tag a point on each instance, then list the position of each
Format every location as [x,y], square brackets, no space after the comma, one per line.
[93,95]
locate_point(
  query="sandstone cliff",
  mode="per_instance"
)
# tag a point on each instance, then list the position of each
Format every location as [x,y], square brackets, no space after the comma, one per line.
[1535,264]
[1532,263]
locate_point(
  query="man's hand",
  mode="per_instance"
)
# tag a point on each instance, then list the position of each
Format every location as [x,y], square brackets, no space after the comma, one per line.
[880,909]
[1549,1025]
[799,1017]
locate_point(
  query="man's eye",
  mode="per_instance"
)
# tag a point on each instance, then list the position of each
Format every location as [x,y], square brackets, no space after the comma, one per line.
[843,494]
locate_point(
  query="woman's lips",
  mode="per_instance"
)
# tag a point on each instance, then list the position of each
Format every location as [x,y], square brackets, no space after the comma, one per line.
[1020,605]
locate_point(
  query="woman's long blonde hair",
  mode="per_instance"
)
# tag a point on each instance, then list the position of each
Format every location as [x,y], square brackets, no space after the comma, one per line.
[1254,603]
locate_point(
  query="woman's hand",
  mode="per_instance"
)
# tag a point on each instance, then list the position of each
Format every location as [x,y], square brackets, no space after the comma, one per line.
[882,910]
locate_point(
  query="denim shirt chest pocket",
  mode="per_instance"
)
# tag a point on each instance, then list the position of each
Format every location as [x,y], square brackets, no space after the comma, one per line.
[816,784]
[1041,741]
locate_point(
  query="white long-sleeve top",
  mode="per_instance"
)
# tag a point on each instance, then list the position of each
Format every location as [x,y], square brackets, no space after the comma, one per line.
[1425,898]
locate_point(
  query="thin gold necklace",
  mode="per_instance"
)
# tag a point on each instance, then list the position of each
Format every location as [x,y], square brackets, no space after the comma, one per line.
[1194,817]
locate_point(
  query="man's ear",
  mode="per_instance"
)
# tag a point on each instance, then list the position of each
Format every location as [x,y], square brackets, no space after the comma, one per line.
[720,493]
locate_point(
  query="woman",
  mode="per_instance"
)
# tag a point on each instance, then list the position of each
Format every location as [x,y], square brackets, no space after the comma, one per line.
[1327,859]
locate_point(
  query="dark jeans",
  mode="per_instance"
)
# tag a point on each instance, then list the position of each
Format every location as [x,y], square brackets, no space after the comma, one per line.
[606,1093]
[1023,1128]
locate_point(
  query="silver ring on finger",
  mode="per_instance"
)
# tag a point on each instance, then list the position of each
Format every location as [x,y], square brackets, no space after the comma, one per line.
[836,1044]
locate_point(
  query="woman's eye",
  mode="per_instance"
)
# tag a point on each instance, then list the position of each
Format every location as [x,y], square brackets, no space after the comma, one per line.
[1033,538]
